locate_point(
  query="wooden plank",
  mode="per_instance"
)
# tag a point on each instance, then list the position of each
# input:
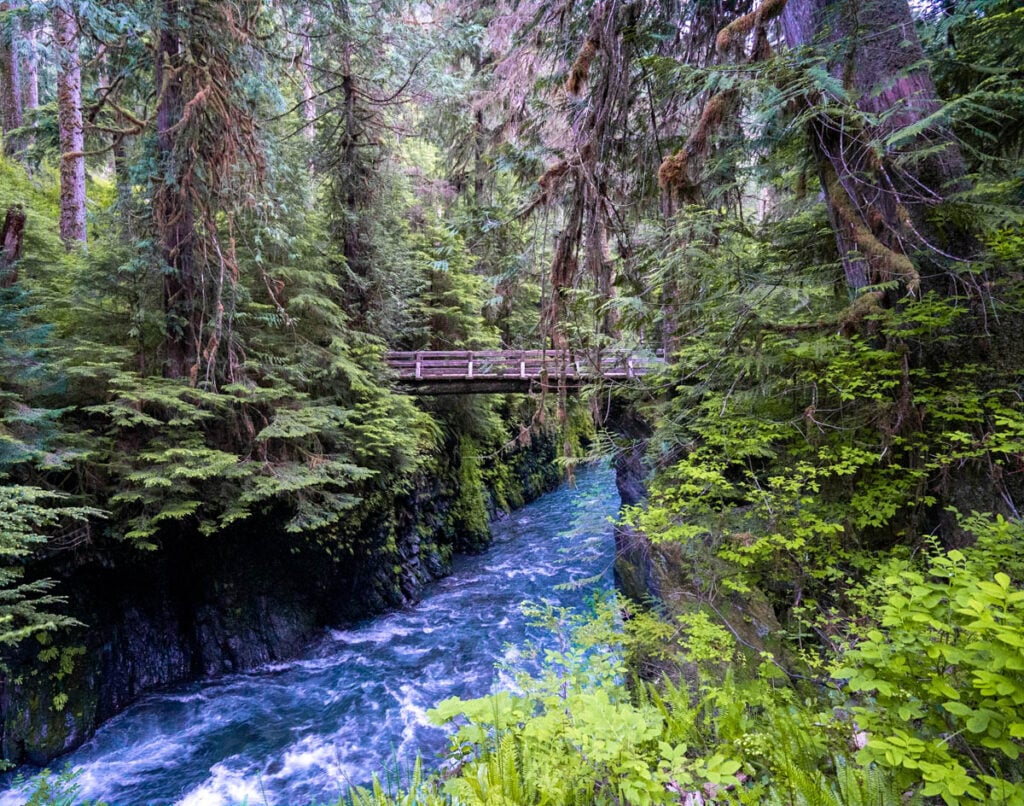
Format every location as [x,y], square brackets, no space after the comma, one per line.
[488,367]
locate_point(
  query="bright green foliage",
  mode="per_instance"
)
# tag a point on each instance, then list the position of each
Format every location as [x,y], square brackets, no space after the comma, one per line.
[947,659]
[924,703]
[576,734]
[795,445]
[57,789]
[571,735]
[469,515]
[415,792]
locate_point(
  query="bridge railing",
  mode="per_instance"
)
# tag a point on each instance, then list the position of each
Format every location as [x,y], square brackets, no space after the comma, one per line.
[434,365]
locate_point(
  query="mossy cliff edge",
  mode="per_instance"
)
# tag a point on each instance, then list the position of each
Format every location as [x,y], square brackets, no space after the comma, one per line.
[663,573]
[198,607]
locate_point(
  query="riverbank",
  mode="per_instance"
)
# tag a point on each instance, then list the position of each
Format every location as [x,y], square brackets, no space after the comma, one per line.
[355,703]
[201,606]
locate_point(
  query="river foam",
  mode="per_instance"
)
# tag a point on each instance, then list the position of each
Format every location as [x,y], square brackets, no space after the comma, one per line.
[356,704]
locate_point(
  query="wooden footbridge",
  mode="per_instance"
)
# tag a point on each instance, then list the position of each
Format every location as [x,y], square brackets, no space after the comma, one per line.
[461,372]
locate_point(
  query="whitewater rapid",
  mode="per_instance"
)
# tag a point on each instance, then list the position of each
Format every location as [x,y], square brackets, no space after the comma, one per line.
[355,705]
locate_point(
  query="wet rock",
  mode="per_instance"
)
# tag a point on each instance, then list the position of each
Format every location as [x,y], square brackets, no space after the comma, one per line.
[206,606]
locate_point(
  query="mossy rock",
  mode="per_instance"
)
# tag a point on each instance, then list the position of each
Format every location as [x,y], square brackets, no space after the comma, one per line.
[678,581]
[469,516]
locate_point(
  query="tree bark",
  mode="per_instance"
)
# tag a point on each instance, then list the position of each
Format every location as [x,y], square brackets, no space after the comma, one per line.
[30,72]
[479,165]
[305,69]
[879,201]
[173,209]
[10,245]
[11,117]
[352,245]
[69,117]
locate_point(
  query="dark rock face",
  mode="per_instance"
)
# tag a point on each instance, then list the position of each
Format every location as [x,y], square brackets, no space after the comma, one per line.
[204,606]
[663,573]
[634,565]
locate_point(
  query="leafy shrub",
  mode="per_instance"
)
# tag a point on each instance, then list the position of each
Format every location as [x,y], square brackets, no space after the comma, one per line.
[941,671]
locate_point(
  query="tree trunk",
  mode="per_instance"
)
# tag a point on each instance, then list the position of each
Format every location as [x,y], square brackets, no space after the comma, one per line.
[69,116]
[10,245]
[479,166]
[30,72]
[10,79]
[173,209]
[305,69]
[878,202]
[351,241]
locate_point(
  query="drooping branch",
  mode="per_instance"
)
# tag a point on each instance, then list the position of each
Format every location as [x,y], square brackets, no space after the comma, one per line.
[733,35]
[879,212]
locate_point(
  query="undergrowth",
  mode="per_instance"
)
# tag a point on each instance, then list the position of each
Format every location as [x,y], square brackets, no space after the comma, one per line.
[918,699]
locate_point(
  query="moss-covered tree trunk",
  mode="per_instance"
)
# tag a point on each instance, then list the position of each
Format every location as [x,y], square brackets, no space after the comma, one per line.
[10,78]
[879,182]
[173,207]
[10,245]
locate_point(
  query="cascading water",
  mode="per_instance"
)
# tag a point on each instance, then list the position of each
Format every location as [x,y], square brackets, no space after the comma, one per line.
[355,705]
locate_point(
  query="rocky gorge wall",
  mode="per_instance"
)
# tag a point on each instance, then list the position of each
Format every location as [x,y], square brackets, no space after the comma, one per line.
[663,574]
[201,606]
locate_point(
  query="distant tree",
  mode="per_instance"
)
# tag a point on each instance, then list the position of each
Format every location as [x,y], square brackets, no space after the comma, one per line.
[69,115]
[305,59]
[11,116]
[30,69]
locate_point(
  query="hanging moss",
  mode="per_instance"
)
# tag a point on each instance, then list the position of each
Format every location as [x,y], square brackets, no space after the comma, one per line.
[550,180]
[737,30]
[672,173]
[719,107]
[887,263]
[580,71]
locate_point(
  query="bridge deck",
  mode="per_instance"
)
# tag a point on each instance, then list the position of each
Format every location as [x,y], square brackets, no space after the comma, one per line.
[468,371]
